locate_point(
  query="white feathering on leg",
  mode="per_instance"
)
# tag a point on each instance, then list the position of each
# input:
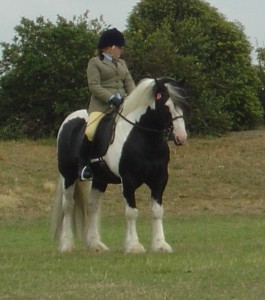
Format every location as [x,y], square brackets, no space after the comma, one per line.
[158,239]
[93,239]
[132,244]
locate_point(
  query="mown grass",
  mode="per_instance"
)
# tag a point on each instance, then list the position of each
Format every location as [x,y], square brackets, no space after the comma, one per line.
[215,257]
[214,220]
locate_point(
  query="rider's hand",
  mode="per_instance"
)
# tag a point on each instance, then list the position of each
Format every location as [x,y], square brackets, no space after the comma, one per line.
[116,100]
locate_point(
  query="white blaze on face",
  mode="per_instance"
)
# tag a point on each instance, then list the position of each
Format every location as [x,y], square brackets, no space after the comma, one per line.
[179,130]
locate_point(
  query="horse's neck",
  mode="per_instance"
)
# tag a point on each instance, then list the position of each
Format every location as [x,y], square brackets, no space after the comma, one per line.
[139,99]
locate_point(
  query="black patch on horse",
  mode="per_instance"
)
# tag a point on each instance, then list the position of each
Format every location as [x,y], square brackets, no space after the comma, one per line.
[103,175]
[68,145]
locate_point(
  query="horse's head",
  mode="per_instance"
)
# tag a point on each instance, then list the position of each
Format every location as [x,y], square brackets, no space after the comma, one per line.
[170,104]
[164,96]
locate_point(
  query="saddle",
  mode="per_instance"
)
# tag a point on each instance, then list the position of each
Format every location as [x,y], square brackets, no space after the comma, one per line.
[104,135]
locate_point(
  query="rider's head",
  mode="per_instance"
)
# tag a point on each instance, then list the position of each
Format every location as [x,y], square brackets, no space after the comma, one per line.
[111,37]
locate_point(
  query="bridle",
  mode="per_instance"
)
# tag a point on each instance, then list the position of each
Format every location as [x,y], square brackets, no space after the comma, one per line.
[168,129]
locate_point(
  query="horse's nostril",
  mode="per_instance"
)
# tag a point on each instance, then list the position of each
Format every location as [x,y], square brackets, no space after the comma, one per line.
[177,142]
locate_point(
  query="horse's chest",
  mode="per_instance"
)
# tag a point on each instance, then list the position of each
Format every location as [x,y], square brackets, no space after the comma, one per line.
[143,159]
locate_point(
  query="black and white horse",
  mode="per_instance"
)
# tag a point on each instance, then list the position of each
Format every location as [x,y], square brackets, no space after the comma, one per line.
[138,154]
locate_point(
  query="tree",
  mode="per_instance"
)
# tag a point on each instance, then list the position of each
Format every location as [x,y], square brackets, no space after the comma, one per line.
[261,74]
[191,39]
[43,74]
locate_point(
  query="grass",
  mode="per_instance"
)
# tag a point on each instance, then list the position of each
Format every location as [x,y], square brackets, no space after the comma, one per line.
[215,257]
[214,220]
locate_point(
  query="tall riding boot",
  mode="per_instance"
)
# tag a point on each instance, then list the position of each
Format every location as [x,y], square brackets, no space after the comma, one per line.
[84,169]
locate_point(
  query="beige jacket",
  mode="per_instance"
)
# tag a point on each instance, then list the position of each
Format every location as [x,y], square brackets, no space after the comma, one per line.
[104,80]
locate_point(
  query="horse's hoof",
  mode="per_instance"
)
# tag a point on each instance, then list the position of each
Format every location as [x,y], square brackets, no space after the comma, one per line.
[97,246]
[64,248]
[138,248]
[162,248]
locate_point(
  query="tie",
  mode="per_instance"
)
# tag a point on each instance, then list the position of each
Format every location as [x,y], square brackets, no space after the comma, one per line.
[114,61]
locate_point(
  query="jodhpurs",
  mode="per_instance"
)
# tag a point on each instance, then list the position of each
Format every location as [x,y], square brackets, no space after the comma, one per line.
[92,124]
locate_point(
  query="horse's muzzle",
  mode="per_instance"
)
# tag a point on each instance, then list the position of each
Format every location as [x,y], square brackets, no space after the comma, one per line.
[178,140]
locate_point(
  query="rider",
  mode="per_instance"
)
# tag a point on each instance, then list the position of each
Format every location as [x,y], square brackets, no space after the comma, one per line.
[109,81]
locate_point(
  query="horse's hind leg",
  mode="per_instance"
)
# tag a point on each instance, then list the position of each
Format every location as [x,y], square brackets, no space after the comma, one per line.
[93,240]
[67,236]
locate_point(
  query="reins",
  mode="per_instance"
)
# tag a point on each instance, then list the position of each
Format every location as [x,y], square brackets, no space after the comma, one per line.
[146,128]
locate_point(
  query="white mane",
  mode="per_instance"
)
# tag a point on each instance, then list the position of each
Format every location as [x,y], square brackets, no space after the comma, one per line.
[140,97]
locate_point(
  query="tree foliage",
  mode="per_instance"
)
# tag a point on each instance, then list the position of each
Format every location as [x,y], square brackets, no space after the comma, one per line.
[43,74]
[191,39]
[261,74]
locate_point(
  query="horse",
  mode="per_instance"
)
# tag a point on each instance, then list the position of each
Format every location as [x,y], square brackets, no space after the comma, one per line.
[137,154]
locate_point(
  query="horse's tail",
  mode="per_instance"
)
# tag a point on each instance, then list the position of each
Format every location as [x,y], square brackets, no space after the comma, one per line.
[79,212]
[57,211]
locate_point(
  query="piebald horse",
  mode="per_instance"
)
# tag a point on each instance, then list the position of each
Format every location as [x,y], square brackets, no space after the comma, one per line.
[137,154]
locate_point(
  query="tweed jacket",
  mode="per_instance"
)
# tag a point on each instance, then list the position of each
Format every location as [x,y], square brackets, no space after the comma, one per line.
[106,79]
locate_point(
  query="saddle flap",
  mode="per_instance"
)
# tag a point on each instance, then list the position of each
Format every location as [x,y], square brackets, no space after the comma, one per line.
[104,135]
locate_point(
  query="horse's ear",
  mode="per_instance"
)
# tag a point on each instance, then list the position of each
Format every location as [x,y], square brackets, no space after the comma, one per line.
[157,83]
[159,86]
[182,82]
[158,89]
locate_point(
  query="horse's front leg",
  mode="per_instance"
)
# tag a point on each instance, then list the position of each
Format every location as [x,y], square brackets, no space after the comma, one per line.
[158,238]
[93,240]
[132,244]
[67,236]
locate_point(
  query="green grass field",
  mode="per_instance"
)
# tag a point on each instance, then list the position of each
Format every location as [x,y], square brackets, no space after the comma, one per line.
[215,257]
[214,220]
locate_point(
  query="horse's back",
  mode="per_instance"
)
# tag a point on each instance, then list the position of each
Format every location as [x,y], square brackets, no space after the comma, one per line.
[73,120]
[69,139]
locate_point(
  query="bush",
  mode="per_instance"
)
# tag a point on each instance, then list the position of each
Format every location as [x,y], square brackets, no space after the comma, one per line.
[192,40]
[44,74]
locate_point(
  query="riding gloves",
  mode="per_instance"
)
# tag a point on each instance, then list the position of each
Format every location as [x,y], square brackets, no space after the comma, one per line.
[116,100]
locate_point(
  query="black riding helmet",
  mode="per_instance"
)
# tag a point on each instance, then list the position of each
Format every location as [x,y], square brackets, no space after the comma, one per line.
[111,37]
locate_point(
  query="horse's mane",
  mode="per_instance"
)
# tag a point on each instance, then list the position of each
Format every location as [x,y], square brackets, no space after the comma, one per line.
[140,97]
[176,93]
[143,94]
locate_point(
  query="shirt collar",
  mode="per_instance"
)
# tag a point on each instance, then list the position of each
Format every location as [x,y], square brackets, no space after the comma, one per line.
[107,56]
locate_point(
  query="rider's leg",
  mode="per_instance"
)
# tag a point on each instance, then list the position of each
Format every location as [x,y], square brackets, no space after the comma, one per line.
[84,169]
